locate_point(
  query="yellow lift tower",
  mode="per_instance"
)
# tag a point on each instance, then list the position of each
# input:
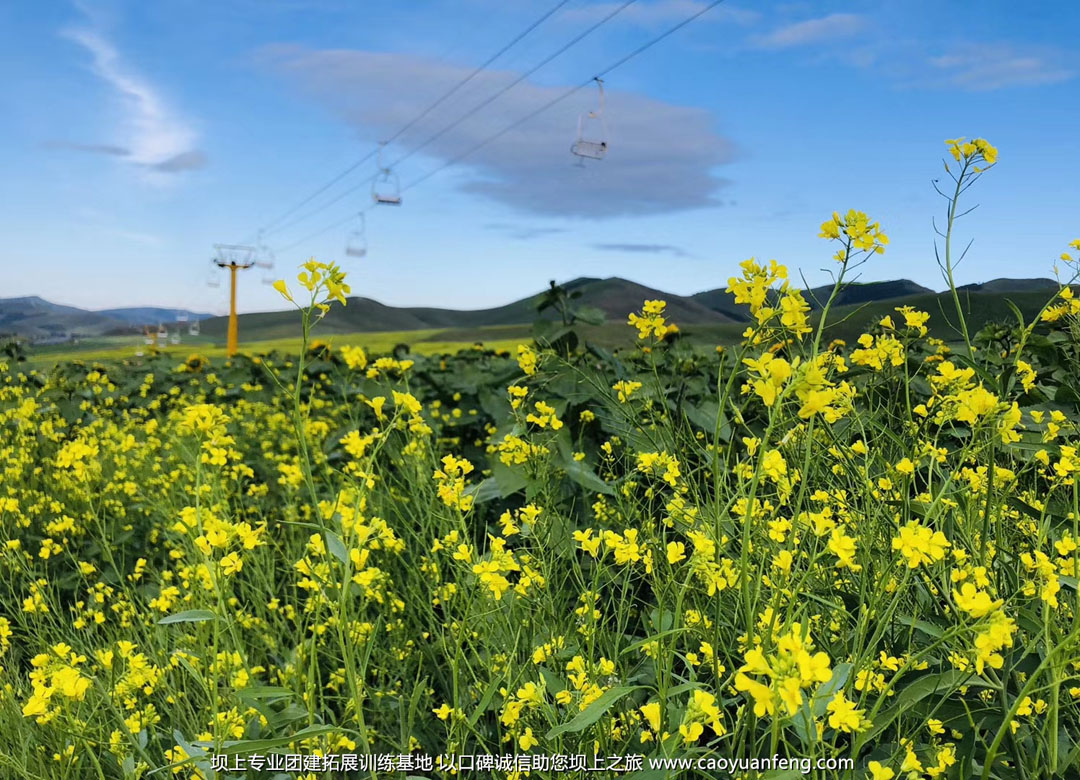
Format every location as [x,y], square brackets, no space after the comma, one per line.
[235,257]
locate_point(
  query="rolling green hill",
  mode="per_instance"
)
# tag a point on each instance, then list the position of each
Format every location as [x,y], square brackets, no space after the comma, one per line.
[614,296]
[709,316]
[720,301]
[1012,285]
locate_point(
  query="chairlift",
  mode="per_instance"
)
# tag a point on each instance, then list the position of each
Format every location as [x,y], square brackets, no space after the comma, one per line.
[356,241]
[264,256]
[593,148]
[234,256]
[386,187]
[213,275]
[267,272]
[193,328]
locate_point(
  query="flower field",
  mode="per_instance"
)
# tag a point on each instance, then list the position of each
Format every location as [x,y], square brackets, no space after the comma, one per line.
[793,546]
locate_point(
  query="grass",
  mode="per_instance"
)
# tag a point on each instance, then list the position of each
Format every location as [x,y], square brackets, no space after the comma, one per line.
[423,342]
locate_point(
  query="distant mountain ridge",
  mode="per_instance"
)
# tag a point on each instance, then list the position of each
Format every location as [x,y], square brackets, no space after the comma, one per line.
[615,296]
[35,318]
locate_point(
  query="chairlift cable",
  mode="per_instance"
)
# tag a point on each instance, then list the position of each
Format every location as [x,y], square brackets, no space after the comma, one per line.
[274,224]
[477,70]
[483,104]
[554,101]
[469,114]
[563,96]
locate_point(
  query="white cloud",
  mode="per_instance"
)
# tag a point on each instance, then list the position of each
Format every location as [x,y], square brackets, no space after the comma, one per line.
[824,29]
[154,136]
[135,236]
[990,66]
[662,157]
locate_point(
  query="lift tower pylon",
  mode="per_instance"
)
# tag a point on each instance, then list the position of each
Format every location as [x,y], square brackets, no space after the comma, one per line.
[235,257]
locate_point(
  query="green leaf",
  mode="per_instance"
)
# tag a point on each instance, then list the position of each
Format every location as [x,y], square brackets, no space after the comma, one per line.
[679,690]
[337,547]
[592,713]
[702,414]
[590,315]
[258,692]
[482,706]
[188,616]
[1016,311]
[921,625]
[260,745]
[918,690]
[482,492]
[579,471]
[649,639]
[830,688]
[509,480]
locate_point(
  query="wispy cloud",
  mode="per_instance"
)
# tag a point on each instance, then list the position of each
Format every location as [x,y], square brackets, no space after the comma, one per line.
[155,136]
[109,149]
[185,161]
[923,63]
[645,249]
[523,232]
[137,237]
[662,157]
[810,31]
[990,66]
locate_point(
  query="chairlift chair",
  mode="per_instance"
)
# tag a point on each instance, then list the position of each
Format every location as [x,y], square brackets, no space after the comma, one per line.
[267,267]
[596,147]
[386,187]
[356,240]
[193,328]
[264,258]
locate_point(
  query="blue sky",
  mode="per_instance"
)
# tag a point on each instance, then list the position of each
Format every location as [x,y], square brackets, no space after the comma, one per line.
[137,135]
